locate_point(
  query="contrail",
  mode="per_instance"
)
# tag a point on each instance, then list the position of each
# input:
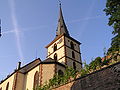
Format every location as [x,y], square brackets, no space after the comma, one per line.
[85,19]
[45,26]
[7,32]
[15,25]
[89,12]
[25,29]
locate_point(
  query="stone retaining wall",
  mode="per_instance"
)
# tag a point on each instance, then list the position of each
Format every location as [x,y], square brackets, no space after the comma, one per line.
[107,78]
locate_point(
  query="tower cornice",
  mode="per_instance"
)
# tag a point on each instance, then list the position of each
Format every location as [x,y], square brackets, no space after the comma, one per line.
[60,37]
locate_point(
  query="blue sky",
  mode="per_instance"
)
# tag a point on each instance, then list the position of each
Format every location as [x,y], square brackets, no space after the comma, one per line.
[29,25]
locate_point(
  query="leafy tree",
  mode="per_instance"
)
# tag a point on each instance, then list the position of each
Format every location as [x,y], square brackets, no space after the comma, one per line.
[113,11]
[86,67]
[92,66]
[114,45]
[96,63]
[105,62]
[70,73]
[83,72]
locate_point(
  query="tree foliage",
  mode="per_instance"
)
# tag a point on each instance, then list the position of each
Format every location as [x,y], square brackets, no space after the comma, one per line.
[96,63]
[114,45]
[71,74]
[113,11]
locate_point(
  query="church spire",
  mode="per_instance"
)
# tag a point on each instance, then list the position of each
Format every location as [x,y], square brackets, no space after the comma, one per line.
[61,29]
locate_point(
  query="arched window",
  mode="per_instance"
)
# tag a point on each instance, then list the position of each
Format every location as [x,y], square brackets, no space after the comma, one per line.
[55,47]
[74,65]
[55,56]
[71,45]
[36,80]
[7,86]
[73,54]
[60,73]
[1,88]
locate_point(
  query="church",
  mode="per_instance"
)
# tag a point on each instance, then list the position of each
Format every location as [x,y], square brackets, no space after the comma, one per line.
[63,51]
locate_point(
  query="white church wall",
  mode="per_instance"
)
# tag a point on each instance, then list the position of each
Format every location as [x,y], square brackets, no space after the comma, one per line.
[70,64]
[60,53]
[48,71]
[69,54]
[4,84]
[59,42]
[29,77]
[76,45]
[62,60]
[20,81]
[60,68]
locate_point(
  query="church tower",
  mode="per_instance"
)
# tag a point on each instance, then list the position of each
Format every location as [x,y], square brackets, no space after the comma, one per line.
[64,49]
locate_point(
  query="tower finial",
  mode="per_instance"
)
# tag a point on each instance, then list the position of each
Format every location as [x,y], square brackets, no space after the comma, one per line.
[0,28]
[59,2]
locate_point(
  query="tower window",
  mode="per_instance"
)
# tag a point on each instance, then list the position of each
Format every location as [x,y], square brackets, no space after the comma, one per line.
[60,73]
[55,47]
[71,45]
[74,65]
[55,56]
[7,86]
[36,80]
[73,54]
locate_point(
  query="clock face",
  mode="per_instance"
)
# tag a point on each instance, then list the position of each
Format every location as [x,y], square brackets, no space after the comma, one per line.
[60,41]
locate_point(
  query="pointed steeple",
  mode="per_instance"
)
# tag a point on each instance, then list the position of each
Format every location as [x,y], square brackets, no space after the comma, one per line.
[61,29]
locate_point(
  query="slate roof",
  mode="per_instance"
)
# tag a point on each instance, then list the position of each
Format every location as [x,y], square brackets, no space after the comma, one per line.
[61,29]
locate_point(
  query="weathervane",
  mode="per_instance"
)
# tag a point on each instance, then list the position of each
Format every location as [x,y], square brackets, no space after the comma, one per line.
[59,2]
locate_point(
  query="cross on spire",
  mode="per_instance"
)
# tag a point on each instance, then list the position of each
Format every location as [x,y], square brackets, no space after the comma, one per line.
[0,28]
[61,29]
